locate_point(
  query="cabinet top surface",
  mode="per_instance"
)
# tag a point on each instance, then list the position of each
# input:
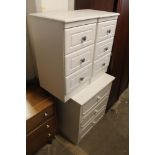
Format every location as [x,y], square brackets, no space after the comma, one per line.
[36,100]
[75,15]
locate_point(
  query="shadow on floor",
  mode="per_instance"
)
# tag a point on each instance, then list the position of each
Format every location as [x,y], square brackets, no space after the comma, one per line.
[109,137]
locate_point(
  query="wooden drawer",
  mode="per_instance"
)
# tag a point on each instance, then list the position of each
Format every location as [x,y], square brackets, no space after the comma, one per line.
[79,37]
[106,30]
[78,59]
[93,113]
[40,136]
[95,100]
[78,79]
[39,118]
[103,48]
[101,65]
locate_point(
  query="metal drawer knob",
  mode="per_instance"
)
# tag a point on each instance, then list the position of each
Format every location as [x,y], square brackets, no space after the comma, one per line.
[48,126]
[83,39]
[82,78]
[103,64]
[49,134]
[108,31]
[106,49]
[98,98]
[82,60]
[45,114]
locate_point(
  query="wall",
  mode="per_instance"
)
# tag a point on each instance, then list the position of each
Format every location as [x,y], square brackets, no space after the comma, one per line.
[41,6]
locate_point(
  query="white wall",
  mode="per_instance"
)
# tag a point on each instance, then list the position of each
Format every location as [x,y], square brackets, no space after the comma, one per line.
[41,6]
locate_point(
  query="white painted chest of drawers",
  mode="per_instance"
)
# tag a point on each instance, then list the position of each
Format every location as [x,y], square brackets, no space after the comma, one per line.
[72,51]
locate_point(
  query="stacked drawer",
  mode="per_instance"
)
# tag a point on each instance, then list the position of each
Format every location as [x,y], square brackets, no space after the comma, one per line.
[85,108]
[41,122]
[79,49]
[104,41]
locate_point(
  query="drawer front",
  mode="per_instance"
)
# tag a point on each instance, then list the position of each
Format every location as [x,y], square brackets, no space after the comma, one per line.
[95,100]
[101,64]
[40,136]
[103,48]
[78,79]
[93,113]
[78,59]
[85,130]
[79,37]
[99,116]
[106,30]
[39,118]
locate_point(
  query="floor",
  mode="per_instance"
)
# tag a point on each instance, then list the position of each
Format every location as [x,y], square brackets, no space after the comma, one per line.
[109,137]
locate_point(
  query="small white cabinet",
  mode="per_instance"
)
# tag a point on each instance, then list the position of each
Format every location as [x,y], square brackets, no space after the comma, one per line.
[72,51]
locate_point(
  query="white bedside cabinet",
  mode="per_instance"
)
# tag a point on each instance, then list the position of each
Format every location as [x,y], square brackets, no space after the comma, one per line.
[72,51]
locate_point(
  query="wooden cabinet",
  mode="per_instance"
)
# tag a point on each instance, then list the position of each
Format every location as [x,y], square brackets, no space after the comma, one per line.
[41,124]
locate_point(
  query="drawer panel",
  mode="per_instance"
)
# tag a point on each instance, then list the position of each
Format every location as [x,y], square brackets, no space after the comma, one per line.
[40,136]
[78,59]
[85,130]
[101,65]
[79,37]
[99,116]
[39,118]
[103,48]
[78,79]
[106,30]
[95,100]
[91,114]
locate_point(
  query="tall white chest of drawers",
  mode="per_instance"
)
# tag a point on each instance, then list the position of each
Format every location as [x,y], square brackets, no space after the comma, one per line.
[72,51]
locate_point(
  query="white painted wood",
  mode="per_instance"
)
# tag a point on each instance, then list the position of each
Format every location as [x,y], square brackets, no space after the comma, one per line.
[78,59]
[80,23]
[103,48]
[106,30]
[79,78]
[70,57]
[79,37]
[47,38]
[92,89]
[75,15]
[100,65]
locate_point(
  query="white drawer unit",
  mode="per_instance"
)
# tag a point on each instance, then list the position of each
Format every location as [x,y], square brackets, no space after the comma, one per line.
[79,112]
[72,50]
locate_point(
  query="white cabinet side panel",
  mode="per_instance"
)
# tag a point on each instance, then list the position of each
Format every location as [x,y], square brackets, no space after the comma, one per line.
[47,39]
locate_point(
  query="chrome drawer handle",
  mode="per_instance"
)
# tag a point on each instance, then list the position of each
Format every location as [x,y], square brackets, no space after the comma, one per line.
[82,60]
[106,49]
[103,64]
[83,39]
[82,78]
[48,126]
[98,98]
[108,31]
[49,134]
[45,114]
[95,112]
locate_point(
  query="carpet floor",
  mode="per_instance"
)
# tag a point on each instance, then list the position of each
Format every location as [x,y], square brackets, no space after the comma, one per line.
[109,137]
